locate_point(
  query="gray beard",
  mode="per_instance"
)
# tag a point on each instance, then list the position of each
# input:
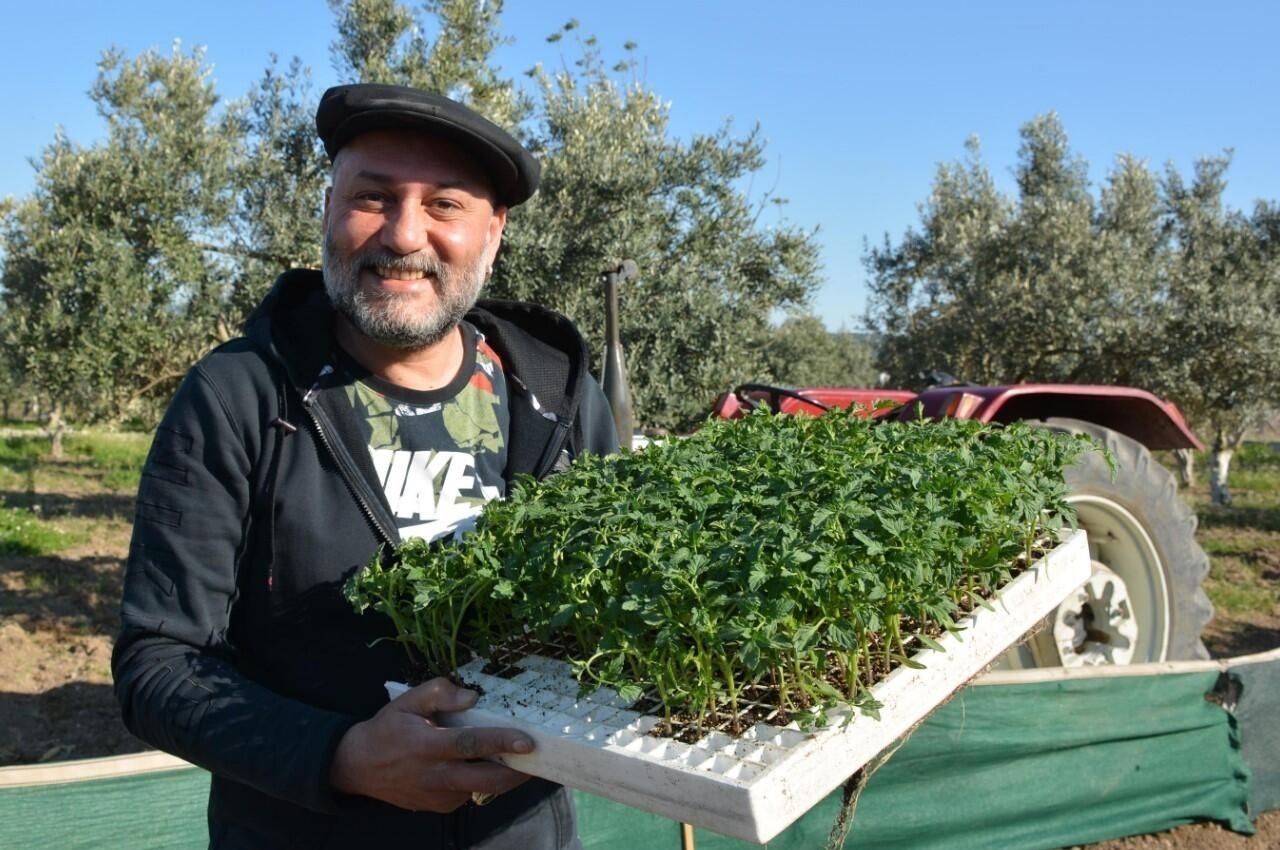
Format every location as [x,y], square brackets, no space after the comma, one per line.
[389,318]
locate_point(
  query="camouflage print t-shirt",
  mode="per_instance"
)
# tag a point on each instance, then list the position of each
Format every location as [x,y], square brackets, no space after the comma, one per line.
[438,454]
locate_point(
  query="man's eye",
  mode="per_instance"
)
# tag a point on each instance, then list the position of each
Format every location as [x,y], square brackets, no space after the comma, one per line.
[371,197]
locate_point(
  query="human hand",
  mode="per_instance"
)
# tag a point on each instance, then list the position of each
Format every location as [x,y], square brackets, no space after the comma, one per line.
[402,757]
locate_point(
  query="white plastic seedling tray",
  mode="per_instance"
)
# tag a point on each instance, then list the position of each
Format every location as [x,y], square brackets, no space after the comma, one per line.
[753,786]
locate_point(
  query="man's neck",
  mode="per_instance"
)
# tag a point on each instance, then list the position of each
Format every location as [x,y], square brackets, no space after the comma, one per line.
[424,369]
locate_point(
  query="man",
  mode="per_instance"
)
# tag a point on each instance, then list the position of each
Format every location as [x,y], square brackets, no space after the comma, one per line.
[367,404]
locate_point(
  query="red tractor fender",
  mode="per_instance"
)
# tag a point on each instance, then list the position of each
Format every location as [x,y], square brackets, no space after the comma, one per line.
[1135,413]
[810,401]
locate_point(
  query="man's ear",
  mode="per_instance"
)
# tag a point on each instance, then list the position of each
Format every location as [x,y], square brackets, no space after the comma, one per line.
[497,222]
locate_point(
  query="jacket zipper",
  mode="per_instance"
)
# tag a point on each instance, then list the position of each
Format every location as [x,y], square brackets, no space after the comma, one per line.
[555,447]
[348,475]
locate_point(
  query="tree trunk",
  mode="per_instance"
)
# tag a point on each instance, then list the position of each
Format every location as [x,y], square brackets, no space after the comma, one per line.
[1186,466]
[56,429]
[1219,467]
[222,331]
[1224,446]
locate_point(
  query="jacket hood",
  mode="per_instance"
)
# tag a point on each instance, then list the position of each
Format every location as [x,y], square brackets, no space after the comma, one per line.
[539,347]
[295,323]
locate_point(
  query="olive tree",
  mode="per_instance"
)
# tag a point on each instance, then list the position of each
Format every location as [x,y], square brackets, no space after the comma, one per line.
[1049,285]
[382,41]
[1153,284]
[616,186]
[802,352]
[279,177]
[927,289]
[137,254]
[1222,335]
[108,290]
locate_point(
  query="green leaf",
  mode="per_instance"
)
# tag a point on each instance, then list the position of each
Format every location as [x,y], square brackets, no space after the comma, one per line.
[804,638]
[930,642]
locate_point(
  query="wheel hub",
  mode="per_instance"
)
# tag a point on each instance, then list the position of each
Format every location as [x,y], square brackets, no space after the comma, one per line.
[1096,624]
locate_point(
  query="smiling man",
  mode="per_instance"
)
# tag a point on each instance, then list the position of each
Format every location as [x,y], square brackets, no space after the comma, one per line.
[366,404]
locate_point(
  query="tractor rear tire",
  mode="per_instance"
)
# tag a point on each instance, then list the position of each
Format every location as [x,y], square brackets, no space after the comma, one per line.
[1145,601]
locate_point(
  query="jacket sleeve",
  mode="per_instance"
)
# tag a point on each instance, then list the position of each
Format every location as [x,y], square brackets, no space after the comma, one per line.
[594,430]
[176,676]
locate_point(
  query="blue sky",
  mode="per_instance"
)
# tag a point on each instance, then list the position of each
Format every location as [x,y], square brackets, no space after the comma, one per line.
[859,103]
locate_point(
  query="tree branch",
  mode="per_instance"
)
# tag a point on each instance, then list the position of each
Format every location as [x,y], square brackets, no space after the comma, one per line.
[235,251]
[139,393]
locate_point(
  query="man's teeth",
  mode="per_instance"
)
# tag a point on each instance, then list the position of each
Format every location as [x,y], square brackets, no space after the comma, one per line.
[398,274]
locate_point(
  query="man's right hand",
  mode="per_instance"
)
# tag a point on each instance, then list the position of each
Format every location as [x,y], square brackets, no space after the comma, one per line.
[402,757]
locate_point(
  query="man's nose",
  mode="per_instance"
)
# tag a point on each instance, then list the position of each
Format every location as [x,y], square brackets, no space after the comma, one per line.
[407,229]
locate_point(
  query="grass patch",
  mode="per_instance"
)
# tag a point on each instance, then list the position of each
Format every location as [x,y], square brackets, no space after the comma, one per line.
[17,476]
[117,456]
[1239,517]
[1242,539]
[1257,486]
[91,461]
[1244,575]
[20,424]
[22,532]
[1255,501]
[1237,600]
[1240,543]
[22,450]
[1255,455]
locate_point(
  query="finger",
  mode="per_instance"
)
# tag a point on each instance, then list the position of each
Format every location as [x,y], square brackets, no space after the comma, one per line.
[435,695]
[477,742]
[477,777]
[441,802]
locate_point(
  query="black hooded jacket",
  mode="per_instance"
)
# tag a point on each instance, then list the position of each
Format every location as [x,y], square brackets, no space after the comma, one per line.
[238,651]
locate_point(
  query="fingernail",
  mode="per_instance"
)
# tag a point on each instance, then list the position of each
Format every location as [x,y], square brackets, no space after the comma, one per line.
[522,745]
[467,698]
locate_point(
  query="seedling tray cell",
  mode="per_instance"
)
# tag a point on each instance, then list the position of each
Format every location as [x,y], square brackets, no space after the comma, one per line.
[754,785]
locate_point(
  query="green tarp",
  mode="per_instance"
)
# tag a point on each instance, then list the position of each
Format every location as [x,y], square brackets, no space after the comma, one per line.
[154,811]
[1019,767]
[1023,767]
[1259,716]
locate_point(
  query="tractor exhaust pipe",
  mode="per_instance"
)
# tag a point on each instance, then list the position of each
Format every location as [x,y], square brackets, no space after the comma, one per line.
[614,381]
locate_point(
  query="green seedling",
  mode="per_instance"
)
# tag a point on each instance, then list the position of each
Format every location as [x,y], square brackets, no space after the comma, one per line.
[805,556]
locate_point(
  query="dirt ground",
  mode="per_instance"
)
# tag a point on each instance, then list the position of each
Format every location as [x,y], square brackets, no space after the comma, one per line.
[1201,836]
[58,615]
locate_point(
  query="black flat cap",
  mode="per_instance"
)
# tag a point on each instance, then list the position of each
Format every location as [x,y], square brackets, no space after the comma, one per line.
[347,111]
